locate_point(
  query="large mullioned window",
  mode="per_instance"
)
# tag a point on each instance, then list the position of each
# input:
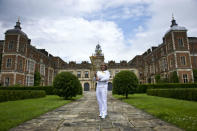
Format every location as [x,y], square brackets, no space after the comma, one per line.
[185,78]
[86,74]
[183,61]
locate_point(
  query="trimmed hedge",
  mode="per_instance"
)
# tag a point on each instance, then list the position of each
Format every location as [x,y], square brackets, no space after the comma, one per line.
[48,89]
[143,87]
[177,93]
[12,95]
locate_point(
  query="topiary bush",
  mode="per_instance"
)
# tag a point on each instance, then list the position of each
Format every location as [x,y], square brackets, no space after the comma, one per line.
[67,85]
[124,83]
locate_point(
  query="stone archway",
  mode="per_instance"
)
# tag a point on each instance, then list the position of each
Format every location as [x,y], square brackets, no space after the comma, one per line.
[110,86]
[86,86]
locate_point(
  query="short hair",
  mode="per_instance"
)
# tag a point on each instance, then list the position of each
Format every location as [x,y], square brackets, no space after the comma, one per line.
[104,65]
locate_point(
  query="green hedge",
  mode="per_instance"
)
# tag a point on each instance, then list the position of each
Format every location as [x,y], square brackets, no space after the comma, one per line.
[48,89]
[177,93]
[12,95]
[143,87]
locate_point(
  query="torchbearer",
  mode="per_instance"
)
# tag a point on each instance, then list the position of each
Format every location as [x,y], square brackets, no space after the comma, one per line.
[102,78]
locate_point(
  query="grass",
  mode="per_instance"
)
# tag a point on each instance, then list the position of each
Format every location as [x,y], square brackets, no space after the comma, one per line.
[181,113]
[13,113]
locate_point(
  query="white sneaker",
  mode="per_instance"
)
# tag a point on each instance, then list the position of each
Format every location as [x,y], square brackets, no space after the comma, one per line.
[103,116]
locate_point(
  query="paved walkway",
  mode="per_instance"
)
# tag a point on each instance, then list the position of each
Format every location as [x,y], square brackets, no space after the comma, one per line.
[82,115]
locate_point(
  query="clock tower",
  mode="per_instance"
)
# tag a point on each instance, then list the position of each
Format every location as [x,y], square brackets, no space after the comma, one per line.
[96,59]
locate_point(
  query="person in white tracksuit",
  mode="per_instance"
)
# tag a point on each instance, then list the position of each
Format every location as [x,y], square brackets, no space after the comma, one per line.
[102,78]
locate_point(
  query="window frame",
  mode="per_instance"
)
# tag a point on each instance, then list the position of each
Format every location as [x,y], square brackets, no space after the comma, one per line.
[78,74]
[10,45]
[180,42]
[86,74]
[185,78]
[9,63]
[183,61]
[7,83]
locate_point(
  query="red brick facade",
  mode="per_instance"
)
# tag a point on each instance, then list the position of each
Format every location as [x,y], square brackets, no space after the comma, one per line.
[20,60]
[177,53]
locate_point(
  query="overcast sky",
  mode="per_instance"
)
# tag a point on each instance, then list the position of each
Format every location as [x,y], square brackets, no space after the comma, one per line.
[71,29]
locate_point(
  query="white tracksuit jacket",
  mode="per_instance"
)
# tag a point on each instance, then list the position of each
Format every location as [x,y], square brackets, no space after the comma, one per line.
[101,91]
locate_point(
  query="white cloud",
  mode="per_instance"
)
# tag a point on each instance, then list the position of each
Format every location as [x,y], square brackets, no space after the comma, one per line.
[76,38]
[61,28]
[161,15]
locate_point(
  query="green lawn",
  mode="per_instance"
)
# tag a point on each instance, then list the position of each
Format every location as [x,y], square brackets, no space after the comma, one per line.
[178,112]
[12,113]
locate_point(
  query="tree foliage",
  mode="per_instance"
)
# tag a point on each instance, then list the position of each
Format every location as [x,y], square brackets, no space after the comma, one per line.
[195,75]
[67,85]
[174,77]
[157,78]
[124,83]
[37,78]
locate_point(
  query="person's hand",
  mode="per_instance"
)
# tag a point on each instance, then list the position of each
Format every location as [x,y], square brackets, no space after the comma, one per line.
[97,78]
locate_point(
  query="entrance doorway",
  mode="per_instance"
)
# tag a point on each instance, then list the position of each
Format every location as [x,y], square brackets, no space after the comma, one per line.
[86,86]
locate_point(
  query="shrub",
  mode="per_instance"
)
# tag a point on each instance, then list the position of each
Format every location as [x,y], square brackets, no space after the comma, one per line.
[12,95]
[66,85]
[174,77]
[80,89]
[124,83]
[157,78]
[37,78]
[177,93]
[195,75]
[141,88]
[48,89]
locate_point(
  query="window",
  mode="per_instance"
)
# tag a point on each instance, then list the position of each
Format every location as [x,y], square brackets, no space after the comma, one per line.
[79,74]
[10,45]
[42,69]
[86,74]
[183,62]
[29,80]
[30,66]
[171,62]
[9,62]
[22,48]
[185,79]
[164,64]
[20,65]
[169,46]
[7,81]
[180,42]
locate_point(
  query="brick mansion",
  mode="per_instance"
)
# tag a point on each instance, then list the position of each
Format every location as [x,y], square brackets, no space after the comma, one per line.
[20,59]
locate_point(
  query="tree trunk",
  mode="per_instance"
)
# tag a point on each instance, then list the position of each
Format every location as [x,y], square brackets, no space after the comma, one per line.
[126,95]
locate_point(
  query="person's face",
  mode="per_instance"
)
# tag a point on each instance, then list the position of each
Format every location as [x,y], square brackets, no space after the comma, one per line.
[102,67]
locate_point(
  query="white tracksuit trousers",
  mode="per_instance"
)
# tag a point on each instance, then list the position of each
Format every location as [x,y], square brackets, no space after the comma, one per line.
[101,93]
